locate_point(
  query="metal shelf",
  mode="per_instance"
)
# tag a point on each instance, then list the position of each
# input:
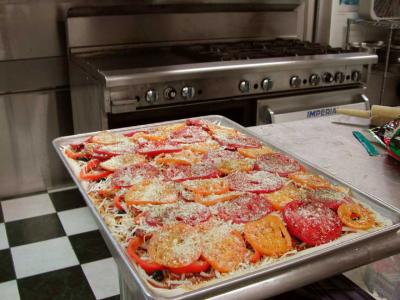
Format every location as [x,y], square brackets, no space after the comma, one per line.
[388,25]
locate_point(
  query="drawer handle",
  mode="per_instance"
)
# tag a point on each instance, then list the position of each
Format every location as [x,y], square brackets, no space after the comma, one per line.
[124,102]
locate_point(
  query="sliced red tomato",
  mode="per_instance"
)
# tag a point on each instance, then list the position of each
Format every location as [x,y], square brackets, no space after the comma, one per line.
[153,149]
[148,266]
[278,163]
[134,174]
[198,122]
[92,171]
[77,147]
[196,267]
[255,182]
[249,207]
[312,222]
[186,172]
[132,133]
[331,197]
[189,135]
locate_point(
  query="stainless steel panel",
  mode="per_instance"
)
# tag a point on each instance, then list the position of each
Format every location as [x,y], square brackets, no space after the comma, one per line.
[179,27]
[274,279]
[28,122]
[33,74]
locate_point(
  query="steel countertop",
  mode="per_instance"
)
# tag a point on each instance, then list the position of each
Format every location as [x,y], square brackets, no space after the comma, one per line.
[329,144]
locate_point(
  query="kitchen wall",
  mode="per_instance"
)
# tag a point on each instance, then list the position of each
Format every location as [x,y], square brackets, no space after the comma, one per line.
[35,102]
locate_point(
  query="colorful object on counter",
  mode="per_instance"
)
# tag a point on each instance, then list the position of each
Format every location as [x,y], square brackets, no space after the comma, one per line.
[388,136]
[365,143]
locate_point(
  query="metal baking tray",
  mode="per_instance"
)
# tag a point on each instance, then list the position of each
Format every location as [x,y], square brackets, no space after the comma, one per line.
[270,280]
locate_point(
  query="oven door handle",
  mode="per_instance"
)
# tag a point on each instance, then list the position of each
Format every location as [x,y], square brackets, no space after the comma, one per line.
[271,114]
[123,105]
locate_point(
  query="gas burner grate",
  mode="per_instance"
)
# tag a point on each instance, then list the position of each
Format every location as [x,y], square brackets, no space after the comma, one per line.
[257,49]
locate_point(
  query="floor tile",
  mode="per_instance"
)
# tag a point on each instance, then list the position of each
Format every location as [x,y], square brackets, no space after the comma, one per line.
[77,220]
[3,237]
[27,207]
[69,283]
[43,257]
[103,277]
[6,266]
[9,290]
[67,199]
[34,230]
[89,246]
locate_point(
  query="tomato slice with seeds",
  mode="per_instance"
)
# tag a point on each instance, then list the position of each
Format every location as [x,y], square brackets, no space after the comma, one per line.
[181,173]
[268,236]
[223,250]
[278,163]
[255,182]
[312,222]
[246,208]
[153,149]
[356,216]
[134,174]
[175,246]
[331,197]
[189,135]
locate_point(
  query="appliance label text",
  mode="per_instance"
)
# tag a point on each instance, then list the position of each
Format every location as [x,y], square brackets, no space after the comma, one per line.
[321,112]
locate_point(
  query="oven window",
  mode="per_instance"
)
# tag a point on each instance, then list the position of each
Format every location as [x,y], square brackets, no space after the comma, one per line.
[242,111]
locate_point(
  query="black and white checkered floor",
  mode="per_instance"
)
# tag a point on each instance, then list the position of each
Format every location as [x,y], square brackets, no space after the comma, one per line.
[50,248]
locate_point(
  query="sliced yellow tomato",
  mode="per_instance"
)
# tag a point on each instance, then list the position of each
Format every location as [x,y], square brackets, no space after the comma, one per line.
[202,148]
[121,161]
[185,157]
[154,192]
[268,236]
[108,138]
[356,216]
[285,195]
[236,165]
[175,246]
[206,187]
[223,250]
[255,152]
[310,181]
[214,198]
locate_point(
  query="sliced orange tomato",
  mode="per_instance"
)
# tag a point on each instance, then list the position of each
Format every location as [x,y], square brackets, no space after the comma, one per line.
[156,136]
[268,236]
[285,195]
[206,187]
[236,165]
[151,192]
[195,267]
[175,246]
[148,266]
[356,216]
[202,148]
[310,181]
[216,198]
[223,250]
[255,152]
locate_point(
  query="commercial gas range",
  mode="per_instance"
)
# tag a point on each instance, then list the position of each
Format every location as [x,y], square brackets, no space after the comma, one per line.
[250,66]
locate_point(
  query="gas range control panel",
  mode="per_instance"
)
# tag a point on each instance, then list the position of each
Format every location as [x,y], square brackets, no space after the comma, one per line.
[167,93]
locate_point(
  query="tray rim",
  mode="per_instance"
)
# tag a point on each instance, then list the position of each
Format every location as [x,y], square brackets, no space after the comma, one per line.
[132,269]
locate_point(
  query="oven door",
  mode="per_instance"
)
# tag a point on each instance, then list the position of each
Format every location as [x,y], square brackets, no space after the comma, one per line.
[242,111]
[300,107]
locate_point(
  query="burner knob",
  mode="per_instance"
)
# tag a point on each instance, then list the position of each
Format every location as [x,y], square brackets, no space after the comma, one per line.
[169,93]
[339,77]
[295,81]
[356,75]
[151,96]
[314,79]
[267,84]
[188,92]
[327,77]
[244,86]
